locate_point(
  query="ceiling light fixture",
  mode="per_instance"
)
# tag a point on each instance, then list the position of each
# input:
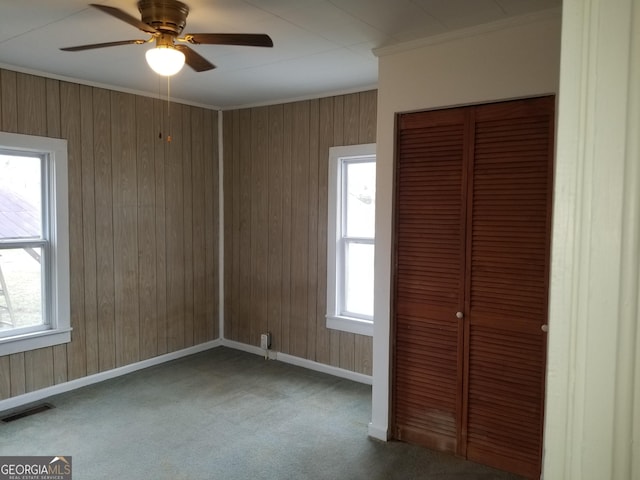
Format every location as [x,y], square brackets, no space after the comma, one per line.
[165,60]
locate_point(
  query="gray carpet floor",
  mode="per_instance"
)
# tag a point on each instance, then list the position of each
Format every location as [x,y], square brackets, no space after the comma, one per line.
[225,414]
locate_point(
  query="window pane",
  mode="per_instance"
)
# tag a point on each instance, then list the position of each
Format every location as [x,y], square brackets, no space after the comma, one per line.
[20,288]
[360,199]
[359,279]
[20,197]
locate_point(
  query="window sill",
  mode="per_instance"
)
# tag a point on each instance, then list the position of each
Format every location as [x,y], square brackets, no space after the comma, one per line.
[351,325]
[33,341]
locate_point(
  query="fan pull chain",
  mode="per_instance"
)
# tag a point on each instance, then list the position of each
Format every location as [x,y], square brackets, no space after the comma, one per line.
[169,108]
[168,121]
[161,116]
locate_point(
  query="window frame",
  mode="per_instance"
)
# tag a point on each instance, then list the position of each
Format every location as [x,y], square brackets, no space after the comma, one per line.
[55,242]
[337,243]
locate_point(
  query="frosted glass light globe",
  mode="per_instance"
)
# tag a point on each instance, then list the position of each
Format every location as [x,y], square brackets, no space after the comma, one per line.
[165,61]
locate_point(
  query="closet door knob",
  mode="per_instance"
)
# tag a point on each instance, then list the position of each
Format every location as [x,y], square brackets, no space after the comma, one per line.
[544,328]
[460,315]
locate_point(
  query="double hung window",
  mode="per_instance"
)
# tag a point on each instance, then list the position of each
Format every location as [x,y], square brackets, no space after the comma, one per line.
[351,239]
[34,252]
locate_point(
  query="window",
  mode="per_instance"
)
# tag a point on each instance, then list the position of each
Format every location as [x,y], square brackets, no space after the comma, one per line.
[351,239]
[34,250]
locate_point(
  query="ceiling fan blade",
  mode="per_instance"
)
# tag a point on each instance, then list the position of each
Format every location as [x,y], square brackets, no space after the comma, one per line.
[243,39]
[125,17]
[103,45]
[194,59]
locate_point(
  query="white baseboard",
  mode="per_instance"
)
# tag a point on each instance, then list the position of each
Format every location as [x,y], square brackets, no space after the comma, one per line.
[31,397]
[321,367]
[301,362]
[378,432]
[244,347]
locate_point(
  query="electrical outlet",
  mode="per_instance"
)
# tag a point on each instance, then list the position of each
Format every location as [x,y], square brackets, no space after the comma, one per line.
[265,341]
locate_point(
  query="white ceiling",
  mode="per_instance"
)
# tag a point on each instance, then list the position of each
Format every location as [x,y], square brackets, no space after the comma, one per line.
[320,46]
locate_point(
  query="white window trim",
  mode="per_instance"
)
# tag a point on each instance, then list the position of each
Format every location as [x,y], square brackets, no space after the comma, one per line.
[58,289]
[334,258]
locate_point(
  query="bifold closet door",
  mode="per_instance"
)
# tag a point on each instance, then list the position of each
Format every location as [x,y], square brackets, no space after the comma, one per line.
[429,278]
[473,200]
[508,239]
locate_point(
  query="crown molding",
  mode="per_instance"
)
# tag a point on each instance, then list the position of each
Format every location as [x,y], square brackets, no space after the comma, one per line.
[469,32]
[114,88]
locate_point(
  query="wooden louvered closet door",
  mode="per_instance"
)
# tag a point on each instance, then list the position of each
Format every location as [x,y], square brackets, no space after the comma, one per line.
[430,268]
[473,202]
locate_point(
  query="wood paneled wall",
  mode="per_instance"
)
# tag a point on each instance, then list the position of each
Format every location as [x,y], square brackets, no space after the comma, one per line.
[275,224]
[143,217]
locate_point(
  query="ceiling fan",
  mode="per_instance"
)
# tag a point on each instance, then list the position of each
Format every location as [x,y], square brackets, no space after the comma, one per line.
[164,20]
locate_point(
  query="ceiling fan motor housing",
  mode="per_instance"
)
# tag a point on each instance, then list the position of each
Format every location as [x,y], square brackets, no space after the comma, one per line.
[164,20]
[167,16]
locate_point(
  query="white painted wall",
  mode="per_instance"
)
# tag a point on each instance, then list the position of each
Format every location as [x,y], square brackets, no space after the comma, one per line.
[492,62]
